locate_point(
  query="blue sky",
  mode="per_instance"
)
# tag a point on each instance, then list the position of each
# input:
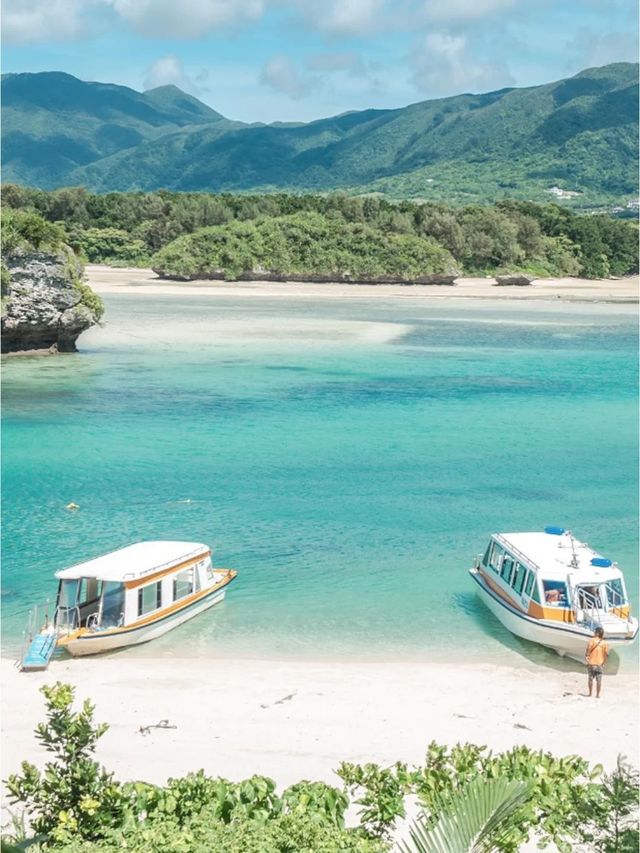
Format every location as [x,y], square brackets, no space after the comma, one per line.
[270,60]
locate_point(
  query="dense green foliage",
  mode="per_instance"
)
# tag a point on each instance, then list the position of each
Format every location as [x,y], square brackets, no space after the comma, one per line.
[567,800]
[579,134]
[27,230]
[189,234]
[75,805]
[303,244]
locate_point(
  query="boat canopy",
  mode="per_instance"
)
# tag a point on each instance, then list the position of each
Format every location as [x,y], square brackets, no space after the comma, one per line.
[557,555]
[136,561]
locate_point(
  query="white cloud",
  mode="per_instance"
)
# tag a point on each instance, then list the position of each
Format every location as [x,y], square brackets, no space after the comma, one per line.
[26,21]
[464,10]
[443,65]
[168,70]
[591,49]
[282,75]
[348,61]
[186,18]
[343,17]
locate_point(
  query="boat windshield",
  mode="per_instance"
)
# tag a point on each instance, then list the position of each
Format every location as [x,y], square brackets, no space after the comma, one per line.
[555,593]
[615,593]
[68,593]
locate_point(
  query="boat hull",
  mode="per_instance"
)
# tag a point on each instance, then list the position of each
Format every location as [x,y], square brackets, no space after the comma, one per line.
[106,641]
[569,640]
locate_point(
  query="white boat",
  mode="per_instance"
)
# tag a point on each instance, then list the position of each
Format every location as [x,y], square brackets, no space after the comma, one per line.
[552,589]
[128,596]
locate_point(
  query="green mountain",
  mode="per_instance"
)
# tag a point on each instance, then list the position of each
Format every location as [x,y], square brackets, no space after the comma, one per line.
[579,134]
[53,123]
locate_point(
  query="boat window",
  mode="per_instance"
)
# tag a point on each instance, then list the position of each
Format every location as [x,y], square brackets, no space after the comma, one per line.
[497,555]
[112,605]
[486,560]
[507,566]
[529,584]
[183,584]
[149,598]
[615,593]
[555,593]
[518,578]
[197,584]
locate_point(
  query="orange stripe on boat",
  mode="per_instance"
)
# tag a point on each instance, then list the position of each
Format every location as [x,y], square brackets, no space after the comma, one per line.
[553,614]
[499,591]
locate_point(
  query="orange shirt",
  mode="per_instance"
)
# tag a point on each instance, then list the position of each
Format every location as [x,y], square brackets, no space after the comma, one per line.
[597,651]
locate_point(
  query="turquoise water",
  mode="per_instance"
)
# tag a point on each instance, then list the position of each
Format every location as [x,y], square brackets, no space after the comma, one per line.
[349,458]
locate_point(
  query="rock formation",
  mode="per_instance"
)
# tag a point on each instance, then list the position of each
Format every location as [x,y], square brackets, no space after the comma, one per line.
[519,279]
[45,303]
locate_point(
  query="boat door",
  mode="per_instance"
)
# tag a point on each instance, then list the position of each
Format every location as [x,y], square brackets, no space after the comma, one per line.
[78,601]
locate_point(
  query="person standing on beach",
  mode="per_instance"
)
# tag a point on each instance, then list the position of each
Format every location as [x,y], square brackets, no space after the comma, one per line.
[596,655]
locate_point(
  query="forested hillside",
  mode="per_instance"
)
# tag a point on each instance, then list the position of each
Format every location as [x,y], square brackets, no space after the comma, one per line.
[331,236]
[53,123]
[578,134]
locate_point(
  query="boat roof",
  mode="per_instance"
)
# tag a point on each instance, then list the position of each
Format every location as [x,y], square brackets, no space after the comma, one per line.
[558,554]
[135,561]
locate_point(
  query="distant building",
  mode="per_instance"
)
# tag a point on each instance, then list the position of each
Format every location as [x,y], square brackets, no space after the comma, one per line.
[634,204]
[559,193]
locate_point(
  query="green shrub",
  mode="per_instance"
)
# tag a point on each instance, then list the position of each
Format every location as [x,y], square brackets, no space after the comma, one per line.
[302,244]
[74,796]
[24,229]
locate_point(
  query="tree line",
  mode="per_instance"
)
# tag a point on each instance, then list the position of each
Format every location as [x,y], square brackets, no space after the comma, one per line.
[182,233]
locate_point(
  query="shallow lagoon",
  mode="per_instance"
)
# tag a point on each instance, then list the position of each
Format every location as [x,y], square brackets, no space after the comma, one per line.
[349,458]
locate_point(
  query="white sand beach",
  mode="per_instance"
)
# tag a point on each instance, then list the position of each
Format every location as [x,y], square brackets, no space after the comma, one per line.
[295,720]
[105,280]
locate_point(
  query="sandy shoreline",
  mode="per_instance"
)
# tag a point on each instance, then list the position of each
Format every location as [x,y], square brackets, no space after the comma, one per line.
[293,720]
[106,280]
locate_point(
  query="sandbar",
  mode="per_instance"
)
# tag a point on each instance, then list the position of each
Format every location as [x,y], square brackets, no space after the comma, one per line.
[105,280]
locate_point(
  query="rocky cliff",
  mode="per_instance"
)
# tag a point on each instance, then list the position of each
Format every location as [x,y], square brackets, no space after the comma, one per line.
[45,303]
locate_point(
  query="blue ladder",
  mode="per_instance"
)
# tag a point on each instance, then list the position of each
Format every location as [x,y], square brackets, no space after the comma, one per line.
[39,653]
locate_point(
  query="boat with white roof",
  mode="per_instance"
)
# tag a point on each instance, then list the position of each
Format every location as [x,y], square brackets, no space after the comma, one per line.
[552,589]
[126,597]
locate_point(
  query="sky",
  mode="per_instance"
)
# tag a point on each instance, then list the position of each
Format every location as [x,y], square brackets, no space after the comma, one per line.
[298,60]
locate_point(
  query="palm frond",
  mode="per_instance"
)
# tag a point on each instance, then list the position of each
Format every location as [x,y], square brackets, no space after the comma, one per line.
[472,820]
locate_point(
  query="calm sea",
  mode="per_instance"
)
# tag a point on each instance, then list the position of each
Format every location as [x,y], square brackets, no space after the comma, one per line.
[349,458]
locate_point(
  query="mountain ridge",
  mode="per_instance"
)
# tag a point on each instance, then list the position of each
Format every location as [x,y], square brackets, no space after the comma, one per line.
[579,133]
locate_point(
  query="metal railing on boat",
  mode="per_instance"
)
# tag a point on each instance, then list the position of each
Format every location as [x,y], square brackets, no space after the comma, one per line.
[590,610]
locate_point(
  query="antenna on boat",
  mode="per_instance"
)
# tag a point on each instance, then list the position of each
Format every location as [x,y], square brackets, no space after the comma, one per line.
[574,556]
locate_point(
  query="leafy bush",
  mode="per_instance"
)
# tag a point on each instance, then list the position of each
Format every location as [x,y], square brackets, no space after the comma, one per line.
[611,825]
[302,244]
[75,805]
[102,245]
[562,790]
[24,229]
[74,796]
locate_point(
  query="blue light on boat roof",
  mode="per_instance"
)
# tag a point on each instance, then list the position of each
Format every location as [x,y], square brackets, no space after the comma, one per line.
[601,562]
[554,531]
